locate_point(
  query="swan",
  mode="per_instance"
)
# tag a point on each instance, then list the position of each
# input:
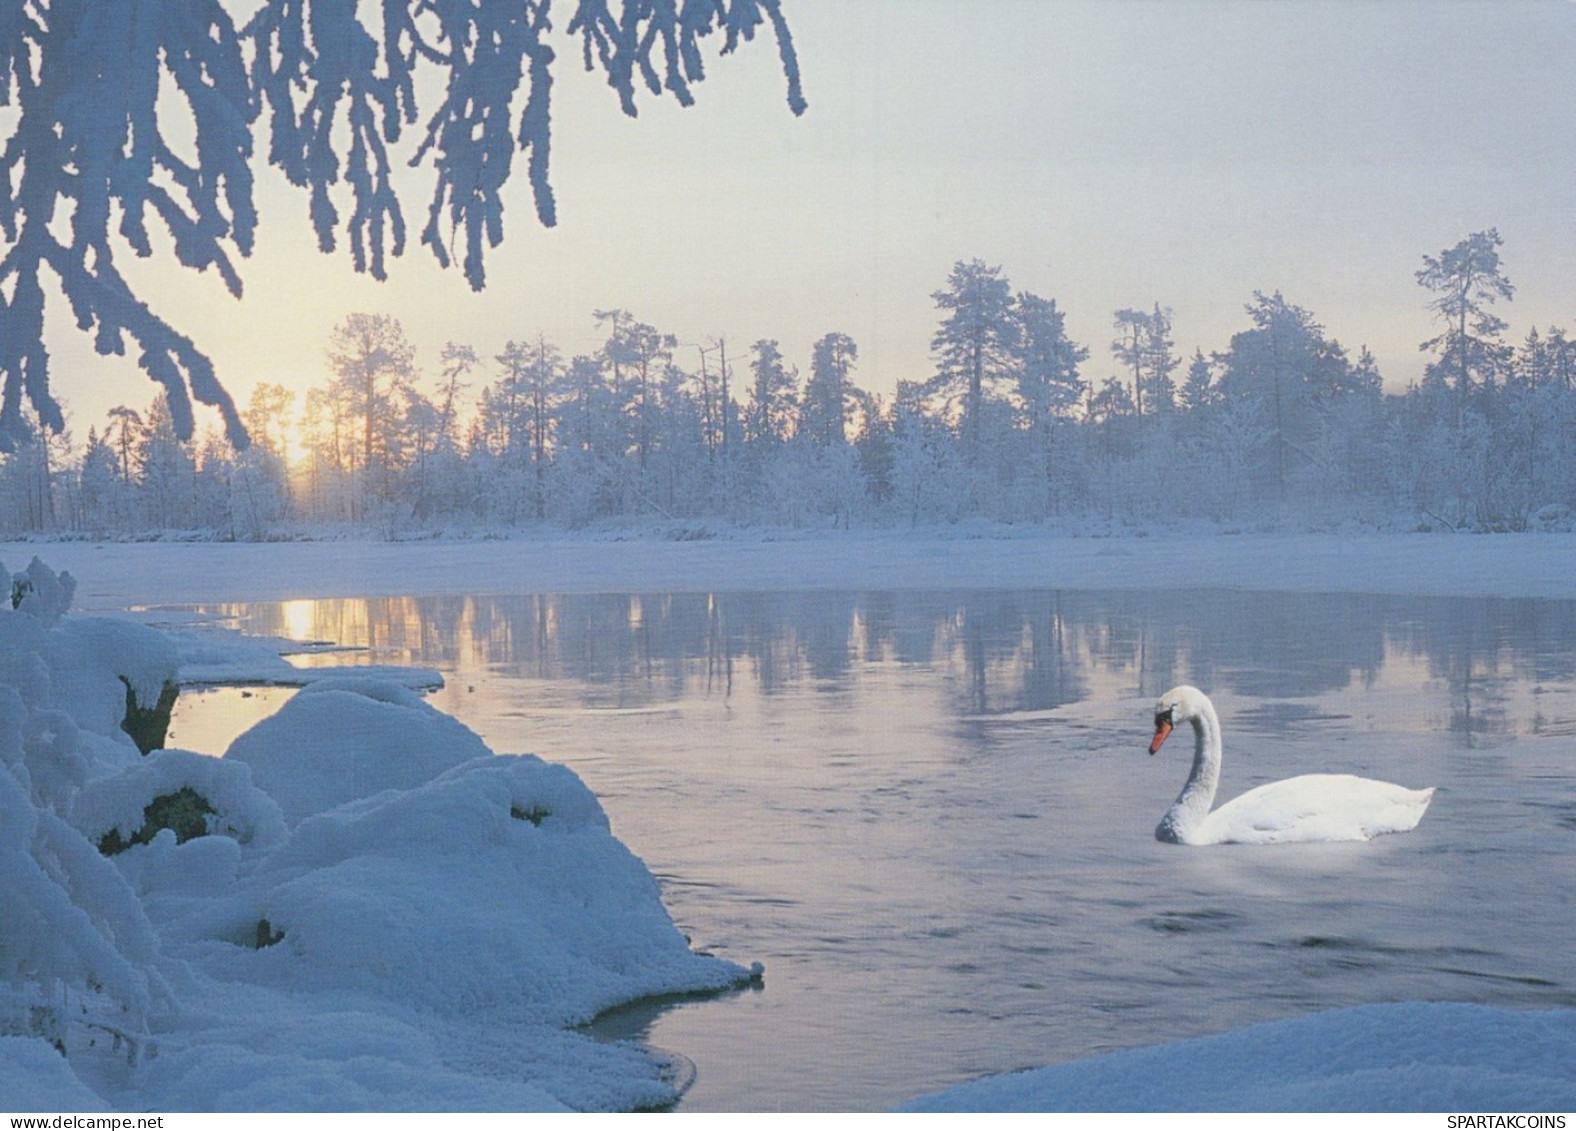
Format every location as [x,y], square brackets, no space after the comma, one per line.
[1313,807]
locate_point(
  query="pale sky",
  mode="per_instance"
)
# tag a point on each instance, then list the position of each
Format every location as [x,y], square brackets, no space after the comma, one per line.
[1104,154]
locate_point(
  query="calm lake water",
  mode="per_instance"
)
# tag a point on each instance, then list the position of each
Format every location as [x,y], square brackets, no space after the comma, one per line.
[930,815]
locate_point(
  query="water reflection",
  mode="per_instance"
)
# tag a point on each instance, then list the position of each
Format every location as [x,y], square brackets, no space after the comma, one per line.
[1485,665]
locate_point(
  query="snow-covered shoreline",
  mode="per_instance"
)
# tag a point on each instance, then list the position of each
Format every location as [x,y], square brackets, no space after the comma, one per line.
[117,575]
[361,907]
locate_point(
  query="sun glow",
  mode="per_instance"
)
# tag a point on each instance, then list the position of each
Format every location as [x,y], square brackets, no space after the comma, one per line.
[300,620]
[274,420]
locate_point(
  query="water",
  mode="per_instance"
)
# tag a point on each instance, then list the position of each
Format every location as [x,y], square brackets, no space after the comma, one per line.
[930,814]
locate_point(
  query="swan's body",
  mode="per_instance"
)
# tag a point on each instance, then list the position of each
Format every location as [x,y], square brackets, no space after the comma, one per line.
[1313,807]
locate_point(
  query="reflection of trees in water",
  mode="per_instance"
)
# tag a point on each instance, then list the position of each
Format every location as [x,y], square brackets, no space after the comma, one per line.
[997,651]
[1007,651]
[1481,649]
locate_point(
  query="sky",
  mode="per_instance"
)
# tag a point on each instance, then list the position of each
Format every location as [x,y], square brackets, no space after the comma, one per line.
[1104,154]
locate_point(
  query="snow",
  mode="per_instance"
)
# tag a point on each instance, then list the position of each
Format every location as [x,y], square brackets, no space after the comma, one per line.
[33,1076]
[347,738]
[1406,1057]
[94,660]
[119,576]
[421,933]
[415,930]
[242,814]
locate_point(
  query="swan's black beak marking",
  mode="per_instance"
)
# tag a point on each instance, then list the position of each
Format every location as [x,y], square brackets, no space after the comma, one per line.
[1162,729]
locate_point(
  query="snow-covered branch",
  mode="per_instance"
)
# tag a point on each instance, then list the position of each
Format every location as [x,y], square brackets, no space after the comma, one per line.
[98,138]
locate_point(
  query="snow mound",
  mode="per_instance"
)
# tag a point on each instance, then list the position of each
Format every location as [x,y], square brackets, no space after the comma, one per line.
[348,738]
[35,1077]
[1416,1056]
[496,889]
[361,908]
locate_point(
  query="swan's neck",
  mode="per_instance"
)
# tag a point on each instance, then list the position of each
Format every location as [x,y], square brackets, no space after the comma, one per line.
[1198,795]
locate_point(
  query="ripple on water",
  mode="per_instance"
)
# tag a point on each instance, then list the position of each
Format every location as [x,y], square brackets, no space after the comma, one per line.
[1206,920]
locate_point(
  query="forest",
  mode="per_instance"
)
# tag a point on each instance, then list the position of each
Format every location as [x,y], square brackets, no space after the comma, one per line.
[1283,428]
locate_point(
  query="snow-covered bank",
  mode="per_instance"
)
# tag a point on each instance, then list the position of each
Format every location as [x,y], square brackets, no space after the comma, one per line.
[1411,1057]
[118,575]
[363,908]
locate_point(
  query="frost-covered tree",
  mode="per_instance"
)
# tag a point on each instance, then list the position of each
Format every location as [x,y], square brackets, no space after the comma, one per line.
[328,431]
[126,424]
[677,479]
[720,420]
[634,354]
[975,346]
[370,358]
[521,410]
[132,115]
[1200,389]
[1343,449]
[456,360]
[1282,362]
[874,445]
[926,481]
[1143,345]
[1545,359]
[769,417]
[585,423]
[1048,383]
[167,471]
[829,395]
[30,480]
[260,484]
[373,365]
[99,488]
[1112,402]
[1466,280]
[268,417]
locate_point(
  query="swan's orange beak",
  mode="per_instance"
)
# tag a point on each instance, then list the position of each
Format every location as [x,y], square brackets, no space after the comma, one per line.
[1162,729]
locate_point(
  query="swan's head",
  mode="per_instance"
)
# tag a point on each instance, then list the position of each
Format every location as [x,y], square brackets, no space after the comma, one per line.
[1179,705]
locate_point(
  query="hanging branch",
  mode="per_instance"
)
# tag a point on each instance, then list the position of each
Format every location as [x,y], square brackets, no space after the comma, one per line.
[91,144]
[87,145]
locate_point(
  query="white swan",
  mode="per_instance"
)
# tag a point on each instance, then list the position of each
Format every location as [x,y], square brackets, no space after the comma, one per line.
[1313,807]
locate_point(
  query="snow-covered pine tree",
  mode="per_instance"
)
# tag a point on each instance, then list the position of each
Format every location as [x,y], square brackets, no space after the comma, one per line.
[974,347]
[523,406]
[1048,384]
[372,360]
[829,394]
[1466,280]
[1143,344]
[1275,364]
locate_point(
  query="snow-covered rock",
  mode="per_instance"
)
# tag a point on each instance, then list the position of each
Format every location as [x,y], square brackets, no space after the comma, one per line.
[117,803]
[361,908]
[348,738]
[496,889]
